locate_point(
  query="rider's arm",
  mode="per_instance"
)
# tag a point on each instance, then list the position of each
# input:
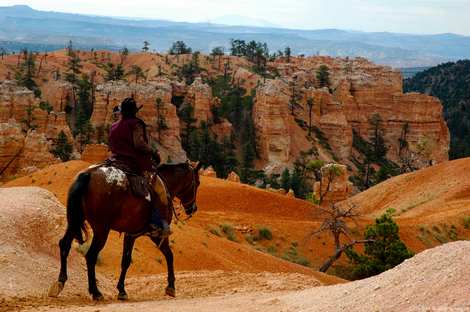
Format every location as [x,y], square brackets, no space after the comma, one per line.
[139,140]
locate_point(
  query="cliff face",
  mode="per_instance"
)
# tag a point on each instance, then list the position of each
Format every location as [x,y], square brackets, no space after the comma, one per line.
[332,188]
[199,96]
[293,113]
[22,153]
[26,131]
[359,91]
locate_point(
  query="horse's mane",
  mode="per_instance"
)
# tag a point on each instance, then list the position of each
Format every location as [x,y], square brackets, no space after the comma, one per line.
[164,167]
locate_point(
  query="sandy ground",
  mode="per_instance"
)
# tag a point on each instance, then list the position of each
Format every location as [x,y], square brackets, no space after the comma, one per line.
[214,272]
[435,280]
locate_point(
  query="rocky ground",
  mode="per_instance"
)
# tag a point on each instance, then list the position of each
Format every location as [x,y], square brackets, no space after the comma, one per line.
[215,273]
[435,280]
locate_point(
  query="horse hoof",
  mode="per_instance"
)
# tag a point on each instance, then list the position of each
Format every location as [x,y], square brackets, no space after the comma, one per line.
[98,297]
[170,291]
[55,289]
[122,296]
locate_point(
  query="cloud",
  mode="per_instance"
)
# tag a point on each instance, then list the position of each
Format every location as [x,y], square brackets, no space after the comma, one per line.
[412,16]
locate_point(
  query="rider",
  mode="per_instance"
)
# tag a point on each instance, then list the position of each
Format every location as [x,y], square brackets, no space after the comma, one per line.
[129,144]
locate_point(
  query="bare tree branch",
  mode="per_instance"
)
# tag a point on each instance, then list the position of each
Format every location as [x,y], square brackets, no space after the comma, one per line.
[325,266]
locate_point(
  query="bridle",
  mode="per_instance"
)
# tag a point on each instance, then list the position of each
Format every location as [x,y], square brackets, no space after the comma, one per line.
[191,202]
[193,187]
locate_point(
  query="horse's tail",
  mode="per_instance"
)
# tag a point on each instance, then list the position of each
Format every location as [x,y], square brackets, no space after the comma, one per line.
[75,213]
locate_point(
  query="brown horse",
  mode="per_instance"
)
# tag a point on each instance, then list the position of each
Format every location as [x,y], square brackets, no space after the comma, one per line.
[101,196]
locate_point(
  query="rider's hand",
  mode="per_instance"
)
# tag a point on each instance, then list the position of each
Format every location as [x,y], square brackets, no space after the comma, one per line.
[156,158]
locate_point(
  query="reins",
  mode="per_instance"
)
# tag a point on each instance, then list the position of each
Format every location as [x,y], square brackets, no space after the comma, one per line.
[193,199]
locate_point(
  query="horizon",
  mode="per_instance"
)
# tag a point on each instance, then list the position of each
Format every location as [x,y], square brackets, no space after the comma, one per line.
[420,17]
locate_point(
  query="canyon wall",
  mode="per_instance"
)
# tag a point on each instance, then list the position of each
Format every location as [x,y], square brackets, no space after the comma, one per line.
[359,91]
[292,113]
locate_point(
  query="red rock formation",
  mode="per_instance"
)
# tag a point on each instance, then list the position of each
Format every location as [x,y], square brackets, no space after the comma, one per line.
[333,188]
[36,151]
[95,153]
[271,118]
[233,177]
[358,90]
[19,151]
[11,146]
[209,172]
[199,96]
[280,138]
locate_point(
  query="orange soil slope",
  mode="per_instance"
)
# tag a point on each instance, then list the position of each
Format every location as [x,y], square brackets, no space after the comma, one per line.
[434,193]
[194,246]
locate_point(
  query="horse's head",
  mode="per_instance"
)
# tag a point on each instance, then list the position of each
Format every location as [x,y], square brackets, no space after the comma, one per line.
[189,191]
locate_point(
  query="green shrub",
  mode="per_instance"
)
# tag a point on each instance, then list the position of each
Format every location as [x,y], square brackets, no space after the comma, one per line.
[229,232]
[272,250]
[264,233]
[292,255]
[250,239]
[215,231]
[385,252]
[466,222]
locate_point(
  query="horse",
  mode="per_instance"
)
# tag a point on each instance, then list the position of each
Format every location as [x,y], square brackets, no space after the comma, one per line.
[100,195]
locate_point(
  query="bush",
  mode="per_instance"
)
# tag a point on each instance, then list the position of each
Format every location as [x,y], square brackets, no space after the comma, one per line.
[385,252]
[264,233]
[466,222]
[293,256]
[250,239]
[216,232]
[63,149]
[229,232]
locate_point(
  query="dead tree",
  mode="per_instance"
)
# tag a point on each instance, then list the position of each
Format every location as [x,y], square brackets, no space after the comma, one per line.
[335,223]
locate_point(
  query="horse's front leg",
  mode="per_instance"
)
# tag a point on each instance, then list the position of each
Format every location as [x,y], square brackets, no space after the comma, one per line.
[165,249]
[128,246]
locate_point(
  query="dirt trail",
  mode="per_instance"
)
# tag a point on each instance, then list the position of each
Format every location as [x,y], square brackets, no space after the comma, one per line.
[434,280]
[214,272]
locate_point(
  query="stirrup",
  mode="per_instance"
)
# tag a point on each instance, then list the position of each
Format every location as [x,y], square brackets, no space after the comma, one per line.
[158,232]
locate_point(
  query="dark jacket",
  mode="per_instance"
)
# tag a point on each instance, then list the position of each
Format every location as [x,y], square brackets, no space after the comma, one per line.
[126,147]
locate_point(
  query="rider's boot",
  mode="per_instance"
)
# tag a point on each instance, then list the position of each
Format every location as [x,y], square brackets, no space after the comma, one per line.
[158,226]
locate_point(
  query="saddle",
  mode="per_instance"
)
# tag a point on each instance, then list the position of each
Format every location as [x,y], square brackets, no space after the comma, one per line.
[145,186]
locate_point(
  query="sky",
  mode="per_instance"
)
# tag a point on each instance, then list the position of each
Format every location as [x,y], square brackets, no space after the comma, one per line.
[404,16]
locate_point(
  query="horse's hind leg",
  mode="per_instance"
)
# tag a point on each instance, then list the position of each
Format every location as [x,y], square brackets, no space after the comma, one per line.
[166,250]
[65,243]
[99,240]
[125,263]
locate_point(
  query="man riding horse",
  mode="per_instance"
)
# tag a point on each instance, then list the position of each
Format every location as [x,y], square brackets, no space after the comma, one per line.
[129,145]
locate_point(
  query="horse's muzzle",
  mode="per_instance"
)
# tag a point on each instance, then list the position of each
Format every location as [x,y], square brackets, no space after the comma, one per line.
[191,210]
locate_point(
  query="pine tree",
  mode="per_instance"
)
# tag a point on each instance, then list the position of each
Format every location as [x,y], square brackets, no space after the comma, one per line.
[384,252]
[161,122]
[180,47]
[73,65]
[379,150]
[229,158]
[323,76]
[26,72]
[83,127]
[137,72]
[63,149]
[146,46]
[114,72]
[191,70]
[285,179]
[310,104]
[186,114]
[287,53]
